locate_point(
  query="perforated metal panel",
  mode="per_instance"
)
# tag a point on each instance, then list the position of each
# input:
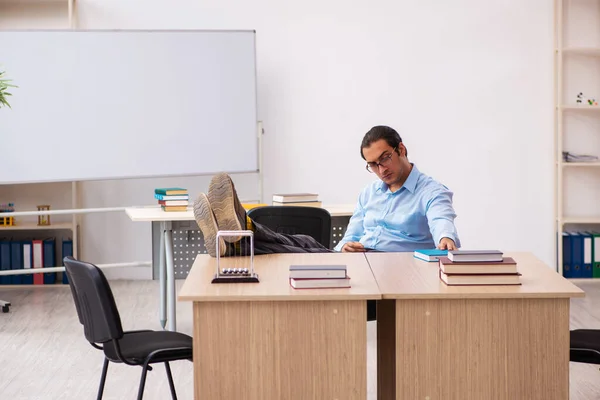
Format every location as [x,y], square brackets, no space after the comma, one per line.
[187,244]
[338,229]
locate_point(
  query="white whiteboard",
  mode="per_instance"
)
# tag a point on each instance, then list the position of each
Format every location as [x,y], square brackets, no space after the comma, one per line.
[123,104]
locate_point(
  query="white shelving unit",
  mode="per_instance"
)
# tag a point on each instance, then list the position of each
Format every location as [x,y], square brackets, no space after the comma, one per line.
[39,14]
[32,226]
[577,125]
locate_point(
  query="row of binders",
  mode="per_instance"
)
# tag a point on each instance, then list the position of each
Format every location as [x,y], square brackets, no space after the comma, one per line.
[473,267]
[172,199]
[319,276]
[36,253]
[581,254]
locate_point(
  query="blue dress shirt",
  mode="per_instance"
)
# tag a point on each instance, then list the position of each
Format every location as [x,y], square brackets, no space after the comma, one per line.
[416,216]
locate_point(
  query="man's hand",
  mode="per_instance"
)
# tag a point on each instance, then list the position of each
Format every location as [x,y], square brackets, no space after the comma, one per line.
[353,247]
[447,244]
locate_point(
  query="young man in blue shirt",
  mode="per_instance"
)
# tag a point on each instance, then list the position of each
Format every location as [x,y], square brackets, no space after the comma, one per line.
[403,210]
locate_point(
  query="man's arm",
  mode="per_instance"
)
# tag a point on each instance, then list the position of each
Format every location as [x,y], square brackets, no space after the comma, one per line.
[355,229]
[441,215]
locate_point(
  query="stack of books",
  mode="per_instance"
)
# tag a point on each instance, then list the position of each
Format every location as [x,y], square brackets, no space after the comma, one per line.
[478,267]
[172,199]
[318,276]
[297,199]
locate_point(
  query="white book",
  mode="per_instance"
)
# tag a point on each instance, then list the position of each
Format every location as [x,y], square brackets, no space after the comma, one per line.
[317,271]
[475,255]
[294,197]
[26,256]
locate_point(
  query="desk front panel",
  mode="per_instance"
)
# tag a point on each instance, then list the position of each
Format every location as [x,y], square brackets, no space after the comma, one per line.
[257,350]
[478,349]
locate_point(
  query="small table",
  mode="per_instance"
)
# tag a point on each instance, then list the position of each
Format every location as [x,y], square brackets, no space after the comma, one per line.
[267,340]
[166,265]
[471,342]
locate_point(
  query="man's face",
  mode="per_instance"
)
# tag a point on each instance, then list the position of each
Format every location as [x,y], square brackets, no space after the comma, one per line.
[385,162]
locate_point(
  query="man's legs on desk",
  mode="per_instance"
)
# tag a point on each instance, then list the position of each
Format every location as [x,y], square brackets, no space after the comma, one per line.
[221,210]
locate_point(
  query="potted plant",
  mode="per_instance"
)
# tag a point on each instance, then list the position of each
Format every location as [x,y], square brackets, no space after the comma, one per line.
[4,85]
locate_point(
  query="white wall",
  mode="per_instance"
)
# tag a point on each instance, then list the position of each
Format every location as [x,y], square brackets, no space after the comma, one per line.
[468,84]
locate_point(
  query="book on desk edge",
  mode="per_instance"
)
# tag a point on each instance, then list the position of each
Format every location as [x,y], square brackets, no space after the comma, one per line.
[507,266]
[317,271]
[294,197]
[430,254]
[475,255]
[320,283]
[481,279]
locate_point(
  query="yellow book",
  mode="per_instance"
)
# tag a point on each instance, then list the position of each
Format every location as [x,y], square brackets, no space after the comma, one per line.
[174,208]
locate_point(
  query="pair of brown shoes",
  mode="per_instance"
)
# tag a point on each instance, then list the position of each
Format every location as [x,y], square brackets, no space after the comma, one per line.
[219,210]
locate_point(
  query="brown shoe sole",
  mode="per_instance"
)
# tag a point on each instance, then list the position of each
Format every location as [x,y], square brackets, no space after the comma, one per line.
[221,197]
[208,225]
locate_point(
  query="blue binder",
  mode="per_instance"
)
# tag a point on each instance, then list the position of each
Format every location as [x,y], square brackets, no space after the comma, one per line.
[16,261]
[576,254]
[49,260]
[566,242]
[5,261]
[67,250]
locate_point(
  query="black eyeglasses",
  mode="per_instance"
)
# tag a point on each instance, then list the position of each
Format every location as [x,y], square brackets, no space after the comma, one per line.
[383,162]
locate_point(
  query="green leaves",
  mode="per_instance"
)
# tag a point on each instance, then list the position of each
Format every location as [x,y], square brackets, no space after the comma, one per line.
[4,85]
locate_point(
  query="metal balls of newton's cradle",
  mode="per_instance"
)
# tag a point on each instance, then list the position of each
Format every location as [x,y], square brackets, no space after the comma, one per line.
[43,219]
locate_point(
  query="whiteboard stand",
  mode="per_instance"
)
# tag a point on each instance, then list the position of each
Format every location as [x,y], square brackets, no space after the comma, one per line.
[261,132]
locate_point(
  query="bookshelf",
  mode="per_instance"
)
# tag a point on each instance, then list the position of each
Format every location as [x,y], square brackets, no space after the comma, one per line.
[583,51]
[33,227]
[576,124]
[580,164]
[25,15]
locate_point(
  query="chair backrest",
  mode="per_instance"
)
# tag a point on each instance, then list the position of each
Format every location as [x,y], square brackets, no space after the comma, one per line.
[94,301]
[311,221]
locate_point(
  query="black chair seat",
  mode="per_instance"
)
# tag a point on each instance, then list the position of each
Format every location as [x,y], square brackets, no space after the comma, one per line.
[585,346]
[137,346]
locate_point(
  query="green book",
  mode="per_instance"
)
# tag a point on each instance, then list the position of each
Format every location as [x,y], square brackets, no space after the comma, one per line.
[170,191]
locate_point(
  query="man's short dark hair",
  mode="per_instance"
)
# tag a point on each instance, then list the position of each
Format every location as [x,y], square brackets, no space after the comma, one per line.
[381,132]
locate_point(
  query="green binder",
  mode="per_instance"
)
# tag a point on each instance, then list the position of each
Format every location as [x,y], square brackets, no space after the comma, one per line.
[596,254]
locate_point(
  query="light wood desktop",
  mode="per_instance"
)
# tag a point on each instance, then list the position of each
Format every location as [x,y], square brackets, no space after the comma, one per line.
[166,270]
[471,342]
[269,341]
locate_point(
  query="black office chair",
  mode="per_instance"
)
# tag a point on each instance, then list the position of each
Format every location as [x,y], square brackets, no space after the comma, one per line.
[585,346]
[97,312]
[311,221]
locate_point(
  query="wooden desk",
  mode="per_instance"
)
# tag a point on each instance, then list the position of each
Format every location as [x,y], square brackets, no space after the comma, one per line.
[268,341]
[164,222]
[471,342]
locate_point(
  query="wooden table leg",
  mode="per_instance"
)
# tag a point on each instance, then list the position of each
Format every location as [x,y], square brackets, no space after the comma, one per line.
[482,349]
[280,350]
[386,349]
